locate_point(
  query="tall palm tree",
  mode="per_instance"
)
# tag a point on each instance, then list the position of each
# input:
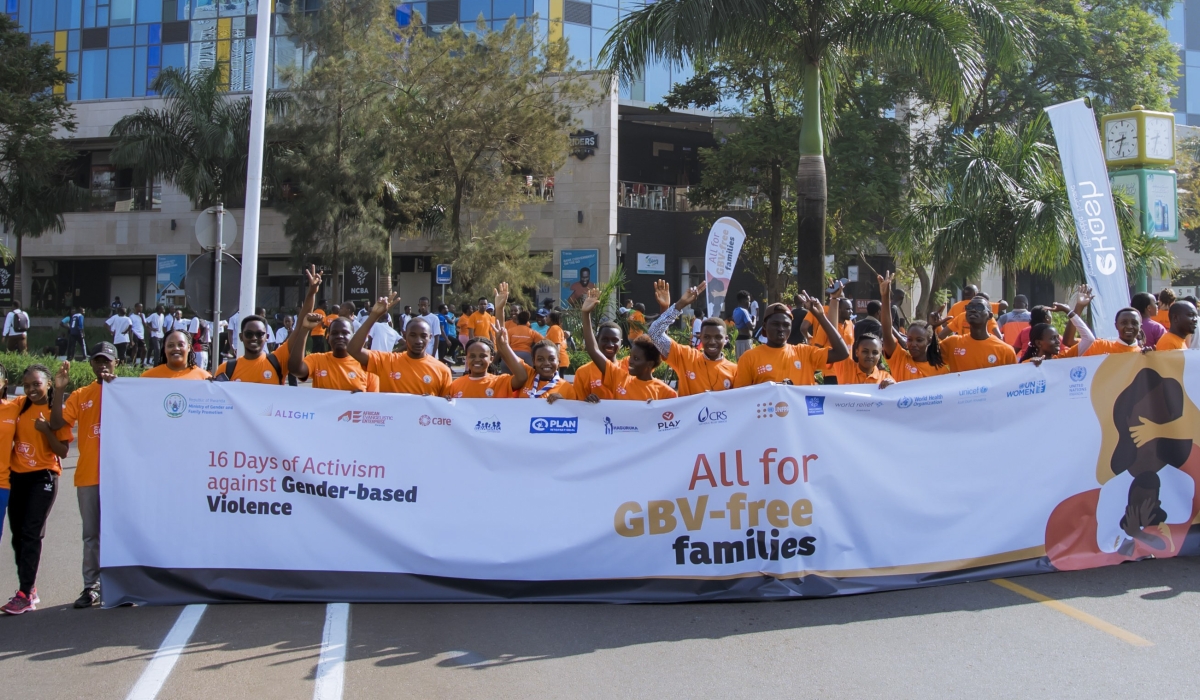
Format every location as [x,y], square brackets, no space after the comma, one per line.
[941,41]
[199,142]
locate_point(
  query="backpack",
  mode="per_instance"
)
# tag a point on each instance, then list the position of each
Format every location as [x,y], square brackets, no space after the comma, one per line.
[20,322]
[231,369]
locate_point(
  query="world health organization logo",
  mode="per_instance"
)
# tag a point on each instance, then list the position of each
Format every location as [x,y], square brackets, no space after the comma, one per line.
[175,405]
[1078,374]
[904,402]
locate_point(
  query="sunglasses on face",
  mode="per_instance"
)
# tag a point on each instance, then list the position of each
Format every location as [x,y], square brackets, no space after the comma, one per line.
[254,334]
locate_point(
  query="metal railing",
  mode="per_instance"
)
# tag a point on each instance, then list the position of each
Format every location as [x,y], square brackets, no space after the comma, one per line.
[124,199]
[643,195]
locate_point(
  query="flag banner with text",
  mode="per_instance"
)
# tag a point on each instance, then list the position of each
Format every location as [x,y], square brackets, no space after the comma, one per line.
[725,240]
[1090,193]
[273,493]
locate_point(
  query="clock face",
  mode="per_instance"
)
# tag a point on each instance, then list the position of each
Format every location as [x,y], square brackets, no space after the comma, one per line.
[1160,143]
[1120,139]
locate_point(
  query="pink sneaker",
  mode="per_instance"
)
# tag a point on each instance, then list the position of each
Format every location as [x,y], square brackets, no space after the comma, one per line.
[20,603]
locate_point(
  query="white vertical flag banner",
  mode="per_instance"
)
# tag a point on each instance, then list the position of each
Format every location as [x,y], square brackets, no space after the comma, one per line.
[1088,188]
[724,244]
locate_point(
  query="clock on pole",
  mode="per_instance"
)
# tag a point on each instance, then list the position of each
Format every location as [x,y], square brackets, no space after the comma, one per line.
[1139,148]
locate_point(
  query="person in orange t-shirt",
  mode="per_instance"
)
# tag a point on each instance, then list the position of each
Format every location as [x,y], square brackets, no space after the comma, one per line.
[698,369]
[845,326]
[34,468]
[968,293]
[923,356]
[637,322]
[979,349]
[777,361]
[1183,319]
[178,359]
[410,372]
[862,367]
[558,336]
[255,365]
[335,369]
[544,381]
[1129,335]
[589,379]
[82,408]
[318,333]
[638,382]
[521,337]
[8,428]
[482,324]
[1045,344]
[1166,298]
[479,382]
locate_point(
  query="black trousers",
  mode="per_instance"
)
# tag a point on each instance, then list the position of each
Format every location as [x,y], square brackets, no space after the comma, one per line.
[30,498]
[75,342]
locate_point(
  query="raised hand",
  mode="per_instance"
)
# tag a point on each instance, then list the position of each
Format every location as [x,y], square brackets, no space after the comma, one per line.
[812,305]
[384,303]
[885,287]
[689,297]
[939,318]
[1060,307]
[1083,296]
[501,334]
[662,294]
[310,321]
[62,378]
[501,294]
[314,278]
[591,301]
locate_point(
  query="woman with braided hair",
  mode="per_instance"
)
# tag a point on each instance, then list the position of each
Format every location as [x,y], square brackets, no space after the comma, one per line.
[178,359]
[922,357]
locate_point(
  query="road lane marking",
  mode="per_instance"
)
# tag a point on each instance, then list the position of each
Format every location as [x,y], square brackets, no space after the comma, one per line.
[160,666]
[331,668]
[1069,611]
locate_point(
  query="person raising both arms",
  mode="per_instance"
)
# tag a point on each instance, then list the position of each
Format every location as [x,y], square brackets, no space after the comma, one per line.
[544,381]
[1183,319]
[256,365]
[33,482]
[1044,342]
[699,369]
[979,348]
[777,361]
[414,371]
[1130,336]
[178,359]
[637,383]
[923,356]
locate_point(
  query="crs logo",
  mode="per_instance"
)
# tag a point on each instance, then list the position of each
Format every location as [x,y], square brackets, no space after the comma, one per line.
[426,421]
[541,426]
[707,415]
[1078,374]
[904,402]
[668,422]
[175,405]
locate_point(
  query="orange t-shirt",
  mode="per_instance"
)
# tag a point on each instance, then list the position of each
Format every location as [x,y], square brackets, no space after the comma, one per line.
[342,373]
[319,331]
[1164,317]
[588,380]
[260,371]
[508,324]
[847,371]
[764,363]
[905,368]
[626,387]
[82,407]
[1104,346]
[489,386]
[521,338]
[959,325]
[399,373]
[8,430]
[1170,341]
[1072,351]
[30,452]
[963,353]
[1012,331]
[698,374]
[481,325]
[556,335]
[637,324]
[165,372]
[821,340]
[960,306]
[563,388]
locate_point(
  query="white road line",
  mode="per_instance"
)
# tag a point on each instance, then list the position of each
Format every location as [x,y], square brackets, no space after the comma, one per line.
[168,653]
[331,668]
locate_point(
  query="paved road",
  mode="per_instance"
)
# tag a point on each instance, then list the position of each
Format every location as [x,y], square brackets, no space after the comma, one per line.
[1123,631]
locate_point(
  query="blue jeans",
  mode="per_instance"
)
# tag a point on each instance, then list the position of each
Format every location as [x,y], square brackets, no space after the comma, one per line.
[3,507]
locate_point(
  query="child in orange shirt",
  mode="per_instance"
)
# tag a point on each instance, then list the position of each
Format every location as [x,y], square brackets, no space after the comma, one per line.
[862,367]
[634,384]
[479,382]
[544,381]
[923,356]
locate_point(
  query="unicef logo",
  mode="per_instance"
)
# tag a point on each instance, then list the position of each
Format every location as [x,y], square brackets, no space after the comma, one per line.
[904,402]
[539,425]
[175,405]
[1078,374]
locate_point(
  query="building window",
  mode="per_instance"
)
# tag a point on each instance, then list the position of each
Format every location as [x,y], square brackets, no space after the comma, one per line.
[577,12]
[442,12]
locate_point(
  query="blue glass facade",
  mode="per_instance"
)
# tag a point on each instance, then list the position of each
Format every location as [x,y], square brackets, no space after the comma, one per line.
[117,47]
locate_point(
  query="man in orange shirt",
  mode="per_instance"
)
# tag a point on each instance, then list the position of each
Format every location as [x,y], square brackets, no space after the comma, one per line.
[329,370]
[637,383]
[968,294]
[255,365]
[698,370]
[978,349]
[845,326]
[82,408]
[1183,319]
[318,333]
[521,337]
[413,371]
[482,322]
[637,322]
[790,364]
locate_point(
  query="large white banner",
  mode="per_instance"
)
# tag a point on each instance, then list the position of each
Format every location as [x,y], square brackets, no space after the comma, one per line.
[267,492]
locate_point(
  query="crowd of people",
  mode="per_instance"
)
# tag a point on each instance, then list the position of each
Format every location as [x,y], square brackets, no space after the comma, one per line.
[359,350]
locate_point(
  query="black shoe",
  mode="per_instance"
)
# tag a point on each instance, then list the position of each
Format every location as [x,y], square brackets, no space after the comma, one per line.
[87,599]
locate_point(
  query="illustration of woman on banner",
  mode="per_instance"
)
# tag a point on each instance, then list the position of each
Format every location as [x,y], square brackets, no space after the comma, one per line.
[1148,469]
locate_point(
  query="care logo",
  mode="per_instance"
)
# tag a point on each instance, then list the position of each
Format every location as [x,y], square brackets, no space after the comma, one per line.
[708,415]
[774,410]
[611,428]
[1030,388]
[668,422]
[554,425]
[491,424]
[427,420]
[175,405]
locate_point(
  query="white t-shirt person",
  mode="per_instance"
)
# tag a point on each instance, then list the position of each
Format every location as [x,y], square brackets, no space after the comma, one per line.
[435,329]
[120,327]
[137,324]
[9,331]
[155,322]
[383,337]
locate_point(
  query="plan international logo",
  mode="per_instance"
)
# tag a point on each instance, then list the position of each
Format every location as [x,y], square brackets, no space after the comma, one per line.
[539,426]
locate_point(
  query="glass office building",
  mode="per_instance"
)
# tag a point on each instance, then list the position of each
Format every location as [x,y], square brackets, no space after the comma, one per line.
[117,47]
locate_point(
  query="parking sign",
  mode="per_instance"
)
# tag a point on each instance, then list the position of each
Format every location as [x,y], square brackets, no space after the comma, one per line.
[442,274]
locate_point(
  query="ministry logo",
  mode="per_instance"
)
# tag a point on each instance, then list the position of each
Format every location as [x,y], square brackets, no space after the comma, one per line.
[175,405]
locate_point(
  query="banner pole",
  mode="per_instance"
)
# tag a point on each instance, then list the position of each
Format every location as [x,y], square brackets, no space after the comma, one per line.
[254,169]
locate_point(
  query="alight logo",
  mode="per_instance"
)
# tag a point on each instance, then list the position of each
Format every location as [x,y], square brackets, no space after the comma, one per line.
[539,426]
[611,428]
[668,422]
[491,424]
[273,412]
[366,417]
[175,405]
[427,421]
[815,405]
[1037,386]
[707,415]
[773,410]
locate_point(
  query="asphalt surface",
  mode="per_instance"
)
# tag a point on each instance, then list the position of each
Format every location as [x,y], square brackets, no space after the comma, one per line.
[1121,631]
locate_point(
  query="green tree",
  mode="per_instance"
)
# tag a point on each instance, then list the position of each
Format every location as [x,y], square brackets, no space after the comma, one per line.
[499,254]
[34,182]
[941,42]
[338,153]
[199,141]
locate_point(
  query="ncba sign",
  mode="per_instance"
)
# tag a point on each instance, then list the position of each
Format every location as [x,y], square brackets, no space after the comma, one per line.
[584,144]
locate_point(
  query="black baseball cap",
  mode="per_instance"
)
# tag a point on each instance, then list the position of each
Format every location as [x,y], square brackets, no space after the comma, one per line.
[104,350]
